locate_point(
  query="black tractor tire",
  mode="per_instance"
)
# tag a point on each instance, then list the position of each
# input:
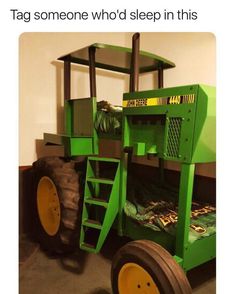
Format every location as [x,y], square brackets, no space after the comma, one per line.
[167,276]
[67,182]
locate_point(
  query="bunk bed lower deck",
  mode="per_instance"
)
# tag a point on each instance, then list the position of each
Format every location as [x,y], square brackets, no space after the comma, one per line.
[152,212]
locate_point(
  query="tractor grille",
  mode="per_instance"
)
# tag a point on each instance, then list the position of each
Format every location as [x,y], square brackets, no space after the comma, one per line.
[173,138]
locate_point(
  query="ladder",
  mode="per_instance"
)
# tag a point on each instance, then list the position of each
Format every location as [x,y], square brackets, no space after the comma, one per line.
[101,202]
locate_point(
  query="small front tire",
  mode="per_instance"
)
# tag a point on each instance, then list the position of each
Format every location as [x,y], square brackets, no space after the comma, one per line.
[145,267]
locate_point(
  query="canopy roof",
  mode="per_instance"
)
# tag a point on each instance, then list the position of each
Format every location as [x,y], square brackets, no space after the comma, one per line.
[116,58]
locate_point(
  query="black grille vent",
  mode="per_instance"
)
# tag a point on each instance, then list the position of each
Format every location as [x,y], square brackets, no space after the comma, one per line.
[173,140]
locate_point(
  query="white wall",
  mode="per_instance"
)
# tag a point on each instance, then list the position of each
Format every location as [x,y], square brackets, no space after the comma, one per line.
[193,54]
[41,89]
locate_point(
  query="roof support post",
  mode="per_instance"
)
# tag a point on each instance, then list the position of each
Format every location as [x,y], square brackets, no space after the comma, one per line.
[160,78]
[161,160]
[134,69]
[92,73]
[67,80]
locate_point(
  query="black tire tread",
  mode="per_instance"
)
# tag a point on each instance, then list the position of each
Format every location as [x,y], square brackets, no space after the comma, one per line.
[66,180]
[159,260]
[178,276]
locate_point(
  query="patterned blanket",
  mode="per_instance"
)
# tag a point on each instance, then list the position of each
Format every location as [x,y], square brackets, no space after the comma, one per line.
[161,214]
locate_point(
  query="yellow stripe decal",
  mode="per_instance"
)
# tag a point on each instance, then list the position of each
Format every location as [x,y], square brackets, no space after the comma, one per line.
[141,102]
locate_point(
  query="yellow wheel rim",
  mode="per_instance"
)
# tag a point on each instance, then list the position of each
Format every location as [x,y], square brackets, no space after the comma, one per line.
[48,205]
[134,279]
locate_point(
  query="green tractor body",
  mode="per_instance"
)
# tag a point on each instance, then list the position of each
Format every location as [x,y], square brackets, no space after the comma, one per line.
[173,124]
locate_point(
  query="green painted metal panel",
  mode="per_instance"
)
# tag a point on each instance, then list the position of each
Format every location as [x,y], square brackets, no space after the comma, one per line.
[166,129]
[163,92]
[80,136]
[123,175]
[204,143]
[178,259]
[80,146]
[199,252]
[183,131]
[139,148]
[83,117]
[123,192]
[184,208]
[83,124]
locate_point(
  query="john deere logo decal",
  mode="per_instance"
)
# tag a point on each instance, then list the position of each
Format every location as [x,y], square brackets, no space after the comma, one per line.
[155,101]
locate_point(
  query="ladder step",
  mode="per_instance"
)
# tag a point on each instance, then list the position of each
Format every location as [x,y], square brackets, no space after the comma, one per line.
[92,200]
[89,247]
[96,201]
[100,180]
[92,224]
[106,159]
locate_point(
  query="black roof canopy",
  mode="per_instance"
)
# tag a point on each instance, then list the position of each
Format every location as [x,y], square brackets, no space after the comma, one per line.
[116,58]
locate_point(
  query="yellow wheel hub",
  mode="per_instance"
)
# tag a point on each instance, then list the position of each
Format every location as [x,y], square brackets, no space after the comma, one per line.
[48,205]
[134,279]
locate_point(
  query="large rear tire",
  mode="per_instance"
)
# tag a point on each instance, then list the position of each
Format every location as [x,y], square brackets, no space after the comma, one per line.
[145,267]
[57,195]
